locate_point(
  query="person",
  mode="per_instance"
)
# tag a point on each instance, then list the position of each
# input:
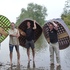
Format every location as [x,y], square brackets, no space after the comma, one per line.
[54,45]
[14,34]
[29,32]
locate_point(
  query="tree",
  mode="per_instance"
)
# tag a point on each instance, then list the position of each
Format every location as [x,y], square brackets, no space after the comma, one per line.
[33,11]
[66,14]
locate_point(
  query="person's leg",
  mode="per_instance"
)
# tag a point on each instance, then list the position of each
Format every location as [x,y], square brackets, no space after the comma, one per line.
[56,49]
[18,53]
[28,54]
[33,53]
[11,50]
[28,66]
[33,49]
[51,54]
[28,50]
[33,64]
[10,57]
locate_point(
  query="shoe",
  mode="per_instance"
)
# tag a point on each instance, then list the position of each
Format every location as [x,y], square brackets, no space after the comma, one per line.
[51,66]
[58,65]
[0,64]
[51,63]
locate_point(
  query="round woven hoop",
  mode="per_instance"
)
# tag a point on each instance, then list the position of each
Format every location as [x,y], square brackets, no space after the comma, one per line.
[63,33]
[23,26]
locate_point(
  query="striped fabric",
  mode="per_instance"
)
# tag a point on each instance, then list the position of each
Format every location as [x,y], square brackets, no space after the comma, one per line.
[4,24]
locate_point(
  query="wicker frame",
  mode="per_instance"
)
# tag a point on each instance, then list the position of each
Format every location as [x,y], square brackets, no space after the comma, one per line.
[63,33]
[23,26]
